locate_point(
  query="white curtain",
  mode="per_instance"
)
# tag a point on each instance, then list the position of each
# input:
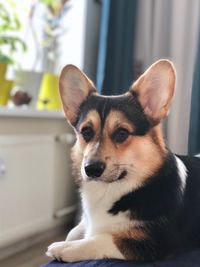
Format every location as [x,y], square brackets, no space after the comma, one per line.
[169,29]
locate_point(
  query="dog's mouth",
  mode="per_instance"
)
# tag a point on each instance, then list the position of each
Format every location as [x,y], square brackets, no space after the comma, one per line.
[111,179]
[122,175]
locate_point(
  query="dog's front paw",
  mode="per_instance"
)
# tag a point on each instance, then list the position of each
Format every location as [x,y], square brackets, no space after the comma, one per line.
[96,247]
[55,250]
[65,251]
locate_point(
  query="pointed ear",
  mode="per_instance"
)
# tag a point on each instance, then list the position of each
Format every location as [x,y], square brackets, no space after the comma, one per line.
[155,89]
[74,88]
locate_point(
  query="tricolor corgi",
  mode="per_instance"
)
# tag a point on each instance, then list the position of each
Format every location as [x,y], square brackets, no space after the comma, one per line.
[140,201]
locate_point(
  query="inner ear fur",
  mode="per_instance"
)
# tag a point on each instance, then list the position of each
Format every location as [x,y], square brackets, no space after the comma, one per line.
[75,87]
[155,89]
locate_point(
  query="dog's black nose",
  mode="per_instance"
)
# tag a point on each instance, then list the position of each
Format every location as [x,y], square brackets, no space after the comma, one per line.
[94,169]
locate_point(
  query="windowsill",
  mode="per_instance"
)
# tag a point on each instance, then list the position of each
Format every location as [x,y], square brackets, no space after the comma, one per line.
[30,113]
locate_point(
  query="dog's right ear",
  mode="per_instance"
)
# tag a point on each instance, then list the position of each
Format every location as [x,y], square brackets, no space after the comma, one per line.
[75,87]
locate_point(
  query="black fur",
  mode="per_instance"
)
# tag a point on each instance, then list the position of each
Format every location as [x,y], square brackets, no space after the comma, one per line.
[157,198]
[189,223]
[127,104]
[172,216]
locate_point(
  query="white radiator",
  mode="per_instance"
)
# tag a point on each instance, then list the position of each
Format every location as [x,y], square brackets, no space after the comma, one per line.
[26,184]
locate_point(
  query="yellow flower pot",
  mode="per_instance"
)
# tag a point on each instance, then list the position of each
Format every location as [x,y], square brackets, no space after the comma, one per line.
[3,69]
[5,88]
[49,97]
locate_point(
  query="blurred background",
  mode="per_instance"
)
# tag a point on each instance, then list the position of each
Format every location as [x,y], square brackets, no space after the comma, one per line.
[113,42]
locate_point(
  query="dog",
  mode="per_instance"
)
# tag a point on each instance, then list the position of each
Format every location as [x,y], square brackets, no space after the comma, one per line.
[140,201]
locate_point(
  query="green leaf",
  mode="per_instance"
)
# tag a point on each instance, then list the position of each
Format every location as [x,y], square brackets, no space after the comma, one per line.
[9,23]
[9,19]
[48,2]
[6,59]
[12,42]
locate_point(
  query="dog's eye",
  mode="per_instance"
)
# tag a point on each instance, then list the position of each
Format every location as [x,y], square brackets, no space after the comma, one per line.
[87,133]
[120,135]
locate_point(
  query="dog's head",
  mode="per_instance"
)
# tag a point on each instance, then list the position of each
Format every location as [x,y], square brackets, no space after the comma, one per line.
[118,137]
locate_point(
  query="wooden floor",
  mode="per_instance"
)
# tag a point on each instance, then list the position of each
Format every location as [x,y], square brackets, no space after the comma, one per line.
[34,256]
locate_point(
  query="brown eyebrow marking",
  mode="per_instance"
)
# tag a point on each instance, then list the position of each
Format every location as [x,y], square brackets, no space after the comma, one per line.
[117,119]
[92,119]
[123,125]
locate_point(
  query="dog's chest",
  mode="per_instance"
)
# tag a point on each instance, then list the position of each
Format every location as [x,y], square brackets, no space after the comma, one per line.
[97,199]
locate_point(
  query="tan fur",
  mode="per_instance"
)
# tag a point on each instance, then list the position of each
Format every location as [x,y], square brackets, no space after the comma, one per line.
[141,156]
[133,233]
[92,119]
[115,120]
[105,235]
[81,150]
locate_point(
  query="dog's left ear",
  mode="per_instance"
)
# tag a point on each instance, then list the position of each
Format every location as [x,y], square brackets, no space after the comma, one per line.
[155,89]
[75,87]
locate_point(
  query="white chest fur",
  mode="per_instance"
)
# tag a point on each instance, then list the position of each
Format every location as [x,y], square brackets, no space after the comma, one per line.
[97,199]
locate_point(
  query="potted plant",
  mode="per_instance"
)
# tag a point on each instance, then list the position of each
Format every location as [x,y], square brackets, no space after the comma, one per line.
[52,29]
[10,23]
[46,49]
[9,44]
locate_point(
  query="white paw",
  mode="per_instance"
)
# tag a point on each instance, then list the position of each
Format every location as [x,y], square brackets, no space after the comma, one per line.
[97,247]
[55,250]
[65,251]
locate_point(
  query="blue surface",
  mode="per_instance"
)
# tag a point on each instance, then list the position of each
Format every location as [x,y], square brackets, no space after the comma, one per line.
[190,259]
[102,44]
